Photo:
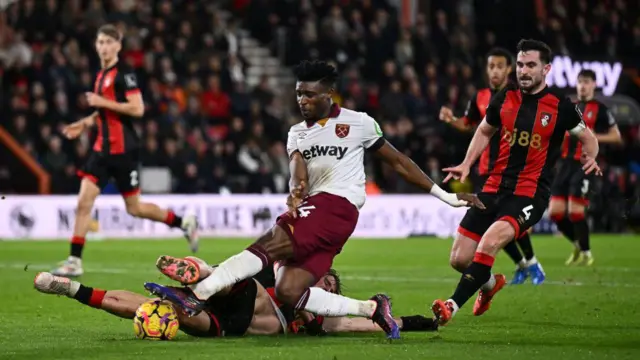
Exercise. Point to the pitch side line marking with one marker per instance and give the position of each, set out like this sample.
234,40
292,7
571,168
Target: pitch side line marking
392,279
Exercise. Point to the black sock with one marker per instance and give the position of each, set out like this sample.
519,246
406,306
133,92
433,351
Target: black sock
471,281
177,222
514,253
76,250
581,229
418,323
566,228
84,294
525,245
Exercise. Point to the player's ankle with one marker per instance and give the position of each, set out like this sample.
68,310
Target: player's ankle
522,264
532,261
453,306
368,307
586,253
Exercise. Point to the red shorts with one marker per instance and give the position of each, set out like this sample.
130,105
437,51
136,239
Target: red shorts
324,224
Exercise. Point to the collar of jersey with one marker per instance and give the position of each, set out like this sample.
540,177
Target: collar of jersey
334,112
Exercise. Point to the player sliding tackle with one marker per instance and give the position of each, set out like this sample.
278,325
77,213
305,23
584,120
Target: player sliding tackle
327,190
531,122
246,308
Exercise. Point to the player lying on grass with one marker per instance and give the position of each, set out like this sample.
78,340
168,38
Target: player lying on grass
247,308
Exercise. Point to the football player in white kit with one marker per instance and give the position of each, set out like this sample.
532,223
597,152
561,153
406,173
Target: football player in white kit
327,184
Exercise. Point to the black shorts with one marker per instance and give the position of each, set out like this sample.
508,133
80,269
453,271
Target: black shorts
520,211
571,183
231,314
478,183
122,168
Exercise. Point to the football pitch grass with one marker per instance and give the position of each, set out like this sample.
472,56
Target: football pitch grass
579,313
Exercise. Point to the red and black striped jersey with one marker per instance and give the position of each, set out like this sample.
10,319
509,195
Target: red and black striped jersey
597,117
116,134
473,115
531,129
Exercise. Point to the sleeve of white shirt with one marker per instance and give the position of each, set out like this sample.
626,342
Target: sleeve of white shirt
371,131
292,142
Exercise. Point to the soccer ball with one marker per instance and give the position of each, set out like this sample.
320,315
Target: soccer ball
155,320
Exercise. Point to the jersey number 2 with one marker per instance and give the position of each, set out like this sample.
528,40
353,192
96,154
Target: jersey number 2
134,178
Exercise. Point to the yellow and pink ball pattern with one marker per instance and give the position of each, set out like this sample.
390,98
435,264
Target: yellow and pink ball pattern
155,320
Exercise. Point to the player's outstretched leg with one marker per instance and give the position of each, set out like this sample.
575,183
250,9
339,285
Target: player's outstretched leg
577,216
478,275
89,191
188,223
533,267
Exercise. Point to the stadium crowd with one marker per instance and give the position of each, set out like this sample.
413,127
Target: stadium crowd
215,134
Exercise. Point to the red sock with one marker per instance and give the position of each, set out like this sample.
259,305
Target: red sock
90,296
172,219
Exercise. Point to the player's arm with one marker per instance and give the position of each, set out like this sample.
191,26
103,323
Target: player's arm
299,177
576,127
464,123
405,167
607,131
90,120
134,106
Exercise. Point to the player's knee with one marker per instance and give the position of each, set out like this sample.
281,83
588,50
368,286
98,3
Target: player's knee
134,209
576,209
557,208
288,293
498,235
276,243
458,262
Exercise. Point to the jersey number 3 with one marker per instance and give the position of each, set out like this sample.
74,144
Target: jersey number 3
134,178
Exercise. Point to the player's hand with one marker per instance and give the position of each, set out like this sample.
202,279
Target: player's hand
446,114
295,198
95,100
74,130
460,172
590,165
472,200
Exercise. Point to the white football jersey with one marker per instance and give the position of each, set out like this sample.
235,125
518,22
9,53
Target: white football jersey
334,153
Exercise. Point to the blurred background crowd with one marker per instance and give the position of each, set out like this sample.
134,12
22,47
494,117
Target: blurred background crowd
215,77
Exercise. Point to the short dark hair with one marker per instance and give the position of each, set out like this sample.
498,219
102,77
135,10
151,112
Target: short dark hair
336,277
316,70
587,73
111,31
501,52
536,45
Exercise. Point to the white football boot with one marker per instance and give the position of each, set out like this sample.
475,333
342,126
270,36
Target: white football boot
50,284
71,267
190,228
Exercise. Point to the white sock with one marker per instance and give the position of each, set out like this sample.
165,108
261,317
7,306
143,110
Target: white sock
453,305
229,272
532,261
321,302
587,253
522,264
488,286
74,286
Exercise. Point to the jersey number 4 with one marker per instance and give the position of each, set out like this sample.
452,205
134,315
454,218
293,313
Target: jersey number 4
527,212
305,210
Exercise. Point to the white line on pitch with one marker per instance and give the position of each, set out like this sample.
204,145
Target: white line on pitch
388,279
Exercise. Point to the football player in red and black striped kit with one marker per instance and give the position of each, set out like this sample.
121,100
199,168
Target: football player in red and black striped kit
118,102
530,121
571,187
499,65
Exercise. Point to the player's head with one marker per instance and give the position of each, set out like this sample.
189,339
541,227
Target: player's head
330,282
586,84
316,81
532,65
499,62
108,42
